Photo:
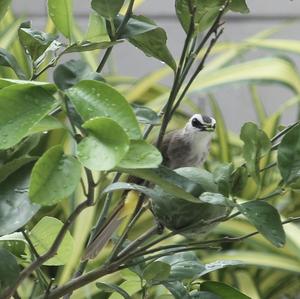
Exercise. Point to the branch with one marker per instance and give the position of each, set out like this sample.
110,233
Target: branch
117,35
50,253
180,76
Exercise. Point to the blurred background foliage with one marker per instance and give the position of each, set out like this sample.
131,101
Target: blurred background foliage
265,272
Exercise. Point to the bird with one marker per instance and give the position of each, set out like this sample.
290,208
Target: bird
189,146
185,147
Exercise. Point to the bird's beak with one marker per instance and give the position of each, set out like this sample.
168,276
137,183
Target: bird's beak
209,128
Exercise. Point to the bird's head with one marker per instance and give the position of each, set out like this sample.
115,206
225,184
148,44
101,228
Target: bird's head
201,123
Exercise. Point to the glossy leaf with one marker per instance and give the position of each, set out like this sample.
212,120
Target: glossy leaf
112,288
8,60
141,155
223,290
15,207
222,177
215,199
47,123
134,26
153,43
168,180
183,266
88,46
43,235
21,107
9,269
289,156
4,4
92,99
34,42
60,11
106,8
205,13
204,295
156,271
15,243
96,31
239,6
146,115
54,177
10,167
239,180
105,146
220,264
177,289
266,219
131,287
256,144
73,71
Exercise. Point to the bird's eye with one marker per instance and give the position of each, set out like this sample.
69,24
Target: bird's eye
196,123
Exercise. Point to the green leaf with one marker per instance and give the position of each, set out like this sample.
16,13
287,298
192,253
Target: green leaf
21,107
223,290
7,59
215,199
131,287
217,265
183,266
15,207
112,288
105,146
88,46
73,71
54,177
168,180
134,26
15,243
154,43
194,217
47,123
60,11
256,145
9,269
146,115
266,219
43,235
289,156
205,14
96,29
239,180
10,167
222,177
239,6
177,289
4,4
141,155
34,42
204,295
50,87
157,270
92,99
107,8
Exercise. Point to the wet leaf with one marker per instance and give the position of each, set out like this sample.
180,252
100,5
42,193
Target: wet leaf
54,177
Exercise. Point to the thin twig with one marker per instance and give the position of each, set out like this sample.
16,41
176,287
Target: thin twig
119,264
125,233
116,36
50,253
196,73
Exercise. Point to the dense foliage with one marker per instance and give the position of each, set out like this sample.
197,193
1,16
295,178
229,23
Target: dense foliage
68,144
